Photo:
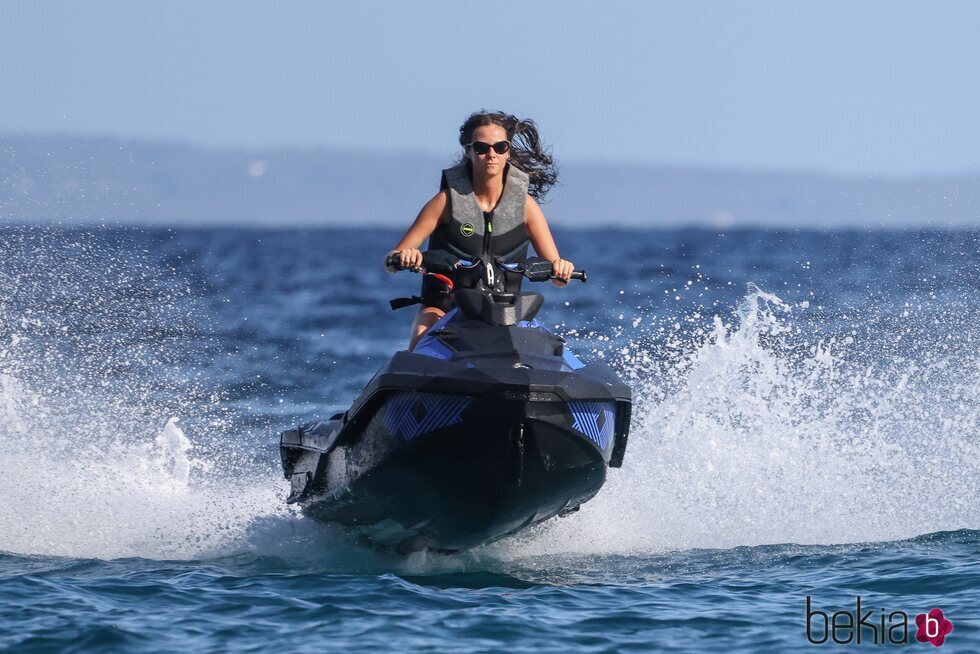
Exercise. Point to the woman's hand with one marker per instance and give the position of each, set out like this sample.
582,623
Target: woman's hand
561,269
408,258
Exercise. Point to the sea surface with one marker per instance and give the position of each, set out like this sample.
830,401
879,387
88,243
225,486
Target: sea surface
806,425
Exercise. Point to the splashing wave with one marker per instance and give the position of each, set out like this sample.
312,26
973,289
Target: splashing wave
756,434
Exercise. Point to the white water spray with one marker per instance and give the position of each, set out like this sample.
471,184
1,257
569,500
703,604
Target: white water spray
754,436
90,466
80,490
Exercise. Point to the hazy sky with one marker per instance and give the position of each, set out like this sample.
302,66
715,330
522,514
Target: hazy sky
855,87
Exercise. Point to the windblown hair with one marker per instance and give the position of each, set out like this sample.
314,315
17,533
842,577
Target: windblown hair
526,151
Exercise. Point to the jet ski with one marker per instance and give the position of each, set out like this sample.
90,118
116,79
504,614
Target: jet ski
490,425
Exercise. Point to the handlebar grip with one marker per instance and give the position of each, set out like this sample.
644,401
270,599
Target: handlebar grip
576,274
393,262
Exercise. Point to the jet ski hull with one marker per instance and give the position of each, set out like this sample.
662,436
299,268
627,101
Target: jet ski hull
460,487
481,432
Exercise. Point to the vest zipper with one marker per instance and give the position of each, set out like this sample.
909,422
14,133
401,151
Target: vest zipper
487,234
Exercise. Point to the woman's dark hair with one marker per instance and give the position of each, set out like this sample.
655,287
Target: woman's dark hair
526,151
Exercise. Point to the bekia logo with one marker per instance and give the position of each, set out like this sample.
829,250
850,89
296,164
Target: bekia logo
871,627
933,627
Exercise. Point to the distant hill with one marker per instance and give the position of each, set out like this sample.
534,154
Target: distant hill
91,180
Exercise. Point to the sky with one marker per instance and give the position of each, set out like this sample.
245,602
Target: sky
856,88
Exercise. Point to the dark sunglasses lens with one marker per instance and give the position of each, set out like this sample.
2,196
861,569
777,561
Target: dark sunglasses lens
480,147
501,147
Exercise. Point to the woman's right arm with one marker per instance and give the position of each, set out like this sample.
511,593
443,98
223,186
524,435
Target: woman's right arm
434,212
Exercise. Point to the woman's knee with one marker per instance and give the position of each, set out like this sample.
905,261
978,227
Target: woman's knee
431,315
424,319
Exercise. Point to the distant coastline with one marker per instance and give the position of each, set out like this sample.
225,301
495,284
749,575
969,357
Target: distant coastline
78,180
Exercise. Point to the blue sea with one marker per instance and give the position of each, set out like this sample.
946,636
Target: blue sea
806,435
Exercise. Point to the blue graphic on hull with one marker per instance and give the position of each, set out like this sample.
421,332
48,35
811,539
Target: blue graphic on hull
410,415
596,420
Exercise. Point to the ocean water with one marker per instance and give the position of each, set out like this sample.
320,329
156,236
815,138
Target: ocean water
806,425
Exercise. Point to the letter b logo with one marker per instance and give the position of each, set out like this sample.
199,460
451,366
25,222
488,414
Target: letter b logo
933,627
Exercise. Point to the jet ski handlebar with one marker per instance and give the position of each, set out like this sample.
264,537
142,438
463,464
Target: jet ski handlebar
538,269
440,262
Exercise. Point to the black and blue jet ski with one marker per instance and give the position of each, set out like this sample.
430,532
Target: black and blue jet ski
488,426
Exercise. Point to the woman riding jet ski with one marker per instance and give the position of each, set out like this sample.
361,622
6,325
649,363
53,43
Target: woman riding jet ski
486,206
487,424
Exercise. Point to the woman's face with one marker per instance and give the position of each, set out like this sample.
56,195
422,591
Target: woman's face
490,163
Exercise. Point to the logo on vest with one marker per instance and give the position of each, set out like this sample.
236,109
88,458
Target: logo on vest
467,229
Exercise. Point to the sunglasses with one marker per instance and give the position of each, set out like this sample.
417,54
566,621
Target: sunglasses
482,148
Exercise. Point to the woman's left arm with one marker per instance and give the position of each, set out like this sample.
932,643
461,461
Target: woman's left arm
544,243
